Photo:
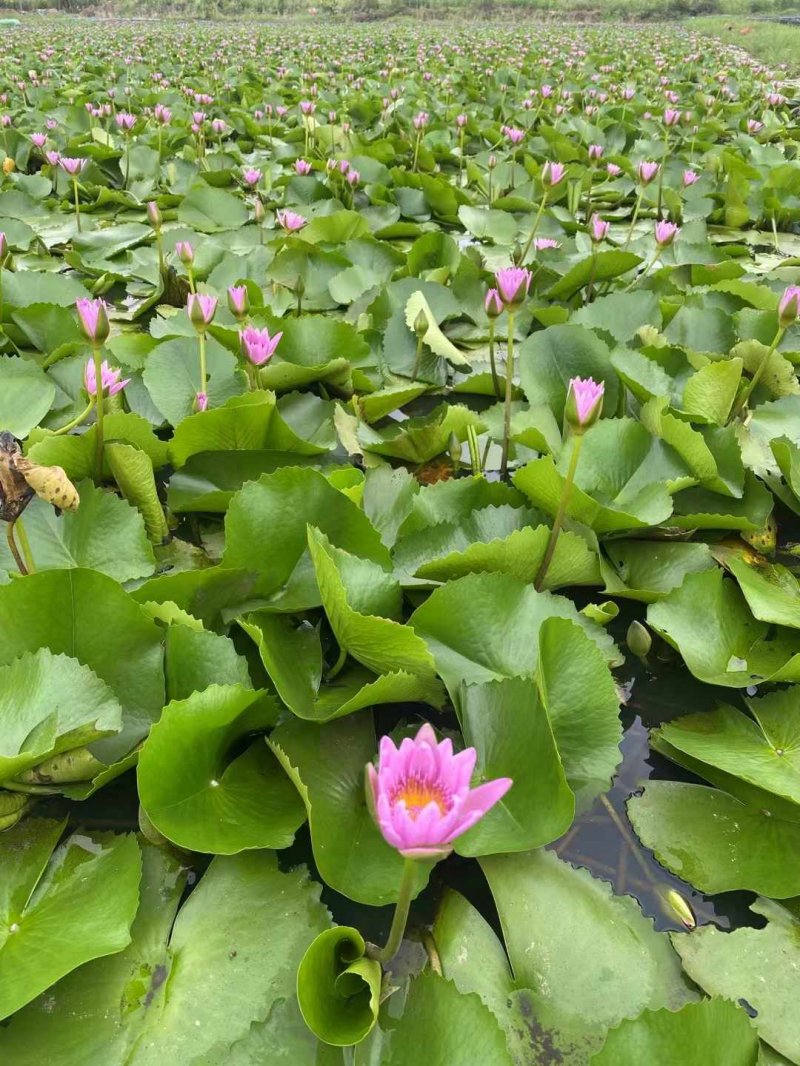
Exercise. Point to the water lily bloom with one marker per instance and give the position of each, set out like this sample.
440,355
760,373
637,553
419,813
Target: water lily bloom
493,303
258,346
238,300
513,284
666,232
552,174
754,126
598,228
201,309
184,252
689,178
39,140
251,176
613,170
671,117
302,166
421,794
53,158
290,220
584,403
647,171
542,244
461,121
514,135
163,115
421,120
125,120
72,166
201,401
93,315
308,107
110,382
788,308
595,151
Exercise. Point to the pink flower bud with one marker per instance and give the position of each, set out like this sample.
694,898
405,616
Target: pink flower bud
493,303
689,178
552,174
598,229
584,403
666,232
647,171
93,315
238,300
201,310
302,166
789,306
184,252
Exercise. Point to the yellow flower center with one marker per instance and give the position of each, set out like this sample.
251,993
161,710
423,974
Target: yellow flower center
417,794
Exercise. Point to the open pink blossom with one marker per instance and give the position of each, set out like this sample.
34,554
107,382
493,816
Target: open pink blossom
543,244
671,117
422,797
789,306
552,174
290,220
39,140
513,284
258,346
251,176
110,382
613,170
584,402
72,166
302,166
647,170
690,177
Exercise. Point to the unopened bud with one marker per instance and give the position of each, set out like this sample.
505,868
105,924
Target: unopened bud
638,639
154,216
421,325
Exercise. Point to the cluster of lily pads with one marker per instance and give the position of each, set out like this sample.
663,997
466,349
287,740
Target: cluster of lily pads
380,410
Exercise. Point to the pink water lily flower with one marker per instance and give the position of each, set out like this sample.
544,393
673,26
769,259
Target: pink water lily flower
251,176
421,794
789,306
125,120
184,252
552,174
647,170
39,140
493,303
258,346
598,228
201,401
666,232
93,315
613,170
689,178
584,402
595,151
671,117
110,382
542,244
72,166
290,220
302,166
238,300
201,309
513,284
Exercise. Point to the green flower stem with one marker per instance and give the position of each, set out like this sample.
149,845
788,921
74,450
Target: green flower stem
98,378
634,218
416,151
661,171
77,204
190,274
741,403
127,158
536,221
1,297
460,155
336,669
201,337
493,363
162,269
392,946
645,272
14,549
417,358
509,386
24,543
77,420
566,492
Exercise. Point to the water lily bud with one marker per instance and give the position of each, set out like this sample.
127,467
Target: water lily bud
201,310
238,301
584,403
638,639
93,320
789,307
676,906
259,212
421,325
493,303
185,252
300,286
154,216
